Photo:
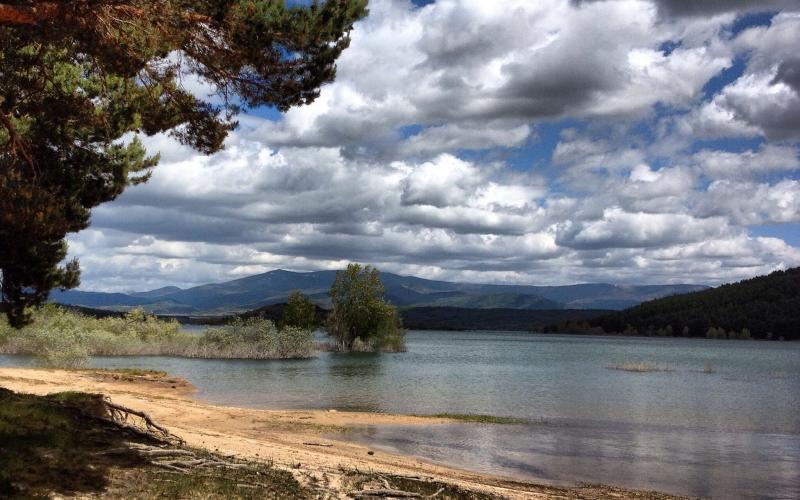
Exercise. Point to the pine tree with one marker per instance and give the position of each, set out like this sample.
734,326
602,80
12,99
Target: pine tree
76,77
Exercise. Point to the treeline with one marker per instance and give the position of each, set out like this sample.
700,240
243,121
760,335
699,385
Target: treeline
765,307
272,312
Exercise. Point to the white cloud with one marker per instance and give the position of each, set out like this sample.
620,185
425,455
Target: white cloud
620,229
430,155
750,203
729,165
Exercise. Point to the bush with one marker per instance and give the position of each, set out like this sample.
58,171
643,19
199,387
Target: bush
300,312
63,338
255,338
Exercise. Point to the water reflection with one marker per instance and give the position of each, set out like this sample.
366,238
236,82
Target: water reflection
362,366
680,461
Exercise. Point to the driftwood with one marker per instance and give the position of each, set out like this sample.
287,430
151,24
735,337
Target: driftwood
319,444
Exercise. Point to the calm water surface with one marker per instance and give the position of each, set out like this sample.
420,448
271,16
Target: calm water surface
733,433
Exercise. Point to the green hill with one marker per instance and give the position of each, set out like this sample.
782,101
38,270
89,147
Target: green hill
763,307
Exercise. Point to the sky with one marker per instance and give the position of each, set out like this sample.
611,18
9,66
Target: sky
538,142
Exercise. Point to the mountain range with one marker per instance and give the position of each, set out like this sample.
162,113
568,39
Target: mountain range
274,287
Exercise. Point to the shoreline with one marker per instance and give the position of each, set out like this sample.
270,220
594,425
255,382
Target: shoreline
312,444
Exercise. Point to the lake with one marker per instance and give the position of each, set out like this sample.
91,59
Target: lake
732,433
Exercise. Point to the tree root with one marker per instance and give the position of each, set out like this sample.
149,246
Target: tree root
186,461
122,416
437,492
161,452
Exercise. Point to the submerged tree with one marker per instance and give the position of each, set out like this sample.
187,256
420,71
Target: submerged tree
79,78
300,312
361,318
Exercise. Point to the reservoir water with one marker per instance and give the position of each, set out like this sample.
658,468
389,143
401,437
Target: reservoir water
730,433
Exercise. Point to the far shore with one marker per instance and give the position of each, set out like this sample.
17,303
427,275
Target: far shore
311,444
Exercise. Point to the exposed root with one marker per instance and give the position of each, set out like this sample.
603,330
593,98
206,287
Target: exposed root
185,461
437,492
122,416
170,467
160,452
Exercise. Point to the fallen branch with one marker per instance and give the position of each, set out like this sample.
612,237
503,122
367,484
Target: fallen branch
319,444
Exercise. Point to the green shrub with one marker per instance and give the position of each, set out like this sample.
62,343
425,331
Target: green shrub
63,338
300,312
255,338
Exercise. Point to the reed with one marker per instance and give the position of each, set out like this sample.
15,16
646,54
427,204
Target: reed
66,339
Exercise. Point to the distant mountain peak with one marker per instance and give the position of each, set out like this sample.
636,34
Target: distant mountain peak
273,287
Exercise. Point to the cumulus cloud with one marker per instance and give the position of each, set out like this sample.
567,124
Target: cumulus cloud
751,203
620,229
532,142
770,158
454,65
691,8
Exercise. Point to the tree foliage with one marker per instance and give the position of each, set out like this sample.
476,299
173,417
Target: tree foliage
79,78
360,316
299,312
766,307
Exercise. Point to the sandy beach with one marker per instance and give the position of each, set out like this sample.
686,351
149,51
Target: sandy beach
299,441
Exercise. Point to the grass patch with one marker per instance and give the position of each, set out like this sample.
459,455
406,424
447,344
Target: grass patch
259,482
480,419
640,367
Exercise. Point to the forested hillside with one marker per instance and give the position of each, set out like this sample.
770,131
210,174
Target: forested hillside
762,307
